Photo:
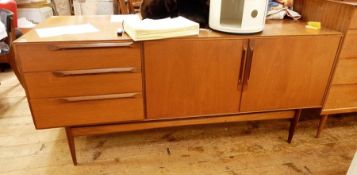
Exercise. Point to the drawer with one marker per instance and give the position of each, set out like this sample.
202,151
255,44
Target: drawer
353,24
346,72
349,49
341,98
86,110
83,82
72,56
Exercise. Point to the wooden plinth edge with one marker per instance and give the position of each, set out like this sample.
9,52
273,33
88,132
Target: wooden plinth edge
293,115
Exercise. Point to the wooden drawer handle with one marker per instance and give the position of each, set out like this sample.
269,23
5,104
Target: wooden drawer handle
100,97
95,71
88,46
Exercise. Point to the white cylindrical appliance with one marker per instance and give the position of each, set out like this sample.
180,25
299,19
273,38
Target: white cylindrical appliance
238,16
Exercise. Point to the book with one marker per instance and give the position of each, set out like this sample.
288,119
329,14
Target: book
149,29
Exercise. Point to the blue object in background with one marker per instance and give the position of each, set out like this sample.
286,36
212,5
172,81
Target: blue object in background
272,3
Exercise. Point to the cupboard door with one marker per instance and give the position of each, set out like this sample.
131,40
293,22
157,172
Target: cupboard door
288,72
186,78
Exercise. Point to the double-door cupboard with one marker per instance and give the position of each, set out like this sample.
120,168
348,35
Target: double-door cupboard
190,77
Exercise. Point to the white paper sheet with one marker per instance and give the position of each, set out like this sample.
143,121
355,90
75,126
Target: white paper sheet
121,18
25,23
3,33
65,30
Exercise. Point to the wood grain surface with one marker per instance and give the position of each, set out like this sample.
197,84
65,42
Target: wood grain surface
192,77
295,75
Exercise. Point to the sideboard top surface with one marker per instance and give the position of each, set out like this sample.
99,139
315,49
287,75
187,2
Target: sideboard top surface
108,30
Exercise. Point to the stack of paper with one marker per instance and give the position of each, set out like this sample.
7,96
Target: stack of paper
149,29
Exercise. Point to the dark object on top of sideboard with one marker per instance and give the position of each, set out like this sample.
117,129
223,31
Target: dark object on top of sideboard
196,10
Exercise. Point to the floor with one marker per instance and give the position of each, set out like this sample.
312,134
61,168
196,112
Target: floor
224,149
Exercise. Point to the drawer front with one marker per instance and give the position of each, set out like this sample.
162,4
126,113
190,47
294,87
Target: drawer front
353,24
82,83
349,49
86,110
57,56
341,98
346,72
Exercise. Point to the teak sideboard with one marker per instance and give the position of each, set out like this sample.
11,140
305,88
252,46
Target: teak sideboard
98,83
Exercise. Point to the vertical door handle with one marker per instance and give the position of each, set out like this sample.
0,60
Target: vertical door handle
248,66
242,63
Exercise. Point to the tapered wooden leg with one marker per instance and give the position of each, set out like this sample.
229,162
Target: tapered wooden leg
293,124
321,125
71,145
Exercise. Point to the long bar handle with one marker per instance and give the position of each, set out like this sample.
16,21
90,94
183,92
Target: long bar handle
248,67
88,46
95,71
100,97
242,63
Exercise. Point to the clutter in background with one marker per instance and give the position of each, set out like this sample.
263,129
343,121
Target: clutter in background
3,32
280,4
26,2
282,13
279,9
24,23
63,7
35,15
93,7
35,11
11,6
